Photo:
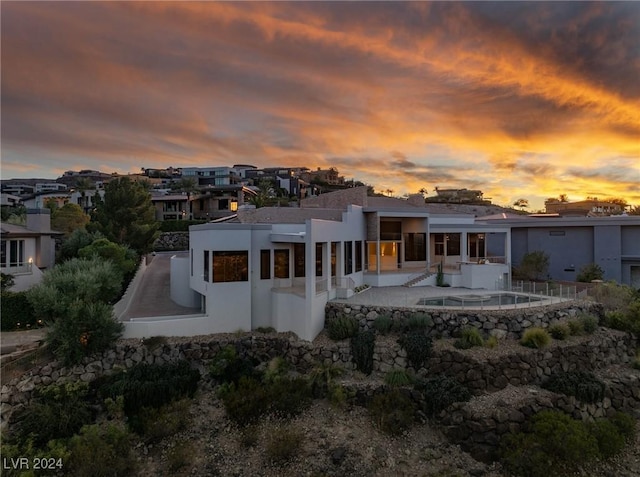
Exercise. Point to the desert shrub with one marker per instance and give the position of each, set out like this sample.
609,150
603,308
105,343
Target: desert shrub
440,392
180,455
17,312
227,367
626,319
339,395
154,342
277,368
362,347
56,412
613,295
56,455
625,424
249,436
398,377
392,411
343,327
589,323
101,450
149,386
589,272
419,322
265,329
284,444
575,327
382,324
610,440
249,399
418,348
555,444
535,338
559,331
86,329
491,342
6,281
321,379
469,337
581,384
246,401
157,423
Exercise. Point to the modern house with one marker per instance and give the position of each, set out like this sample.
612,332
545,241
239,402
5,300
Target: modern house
278,267
27,250
583,208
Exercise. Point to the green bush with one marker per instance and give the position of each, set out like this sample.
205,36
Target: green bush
469,337
418,348
533,266
555,444
625,424
362,347
249,399
148,386
535,338
86,329
343,327
398,377
321,379
101,450
227,367
382,324
559,331
17,312
392,411
575,327
581,384
440,392
154,342
78,239
124,258
610,441
284,445
626,319
180,456
418,322
157,423
589,323
613,295
56,412
491,342
589,272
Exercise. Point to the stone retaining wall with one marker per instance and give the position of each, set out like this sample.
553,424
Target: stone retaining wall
170,241
495,371
500,323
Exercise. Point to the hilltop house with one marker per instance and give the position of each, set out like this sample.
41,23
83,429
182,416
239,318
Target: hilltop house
278,267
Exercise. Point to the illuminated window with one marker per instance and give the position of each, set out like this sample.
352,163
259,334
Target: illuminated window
281,263
231,266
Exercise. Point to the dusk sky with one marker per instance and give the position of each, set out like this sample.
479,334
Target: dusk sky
521,100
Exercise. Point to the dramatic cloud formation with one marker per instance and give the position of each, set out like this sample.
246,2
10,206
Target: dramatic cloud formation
516,99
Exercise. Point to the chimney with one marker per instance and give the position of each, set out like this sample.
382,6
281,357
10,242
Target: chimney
39,220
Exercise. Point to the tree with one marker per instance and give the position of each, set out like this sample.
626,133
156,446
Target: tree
89,281
522,203
68,218
78,239
634,210
120,255
126,215
563,198
534,265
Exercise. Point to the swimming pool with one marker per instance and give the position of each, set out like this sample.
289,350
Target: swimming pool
479,301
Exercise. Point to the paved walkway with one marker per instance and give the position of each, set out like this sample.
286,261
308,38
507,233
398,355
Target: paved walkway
153,296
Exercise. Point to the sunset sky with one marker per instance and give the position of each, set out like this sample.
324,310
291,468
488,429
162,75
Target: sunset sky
520,100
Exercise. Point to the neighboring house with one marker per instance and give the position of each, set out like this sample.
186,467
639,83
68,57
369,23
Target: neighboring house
27,250
613,243
172,206
50,187
279,266
219,201
10,200
592,208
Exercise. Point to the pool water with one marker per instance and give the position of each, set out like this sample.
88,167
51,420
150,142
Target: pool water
496,299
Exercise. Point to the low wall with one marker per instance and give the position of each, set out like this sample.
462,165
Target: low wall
500,323
121,307
171,241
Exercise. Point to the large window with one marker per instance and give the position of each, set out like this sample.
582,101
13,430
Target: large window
415,247
298,260
231,266
206,265
390,230
358,256
348,258
438,242
16,253
281,263
265,264
334,257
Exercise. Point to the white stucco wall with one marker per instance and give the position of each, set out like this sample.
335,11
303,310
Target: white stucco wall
180,291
